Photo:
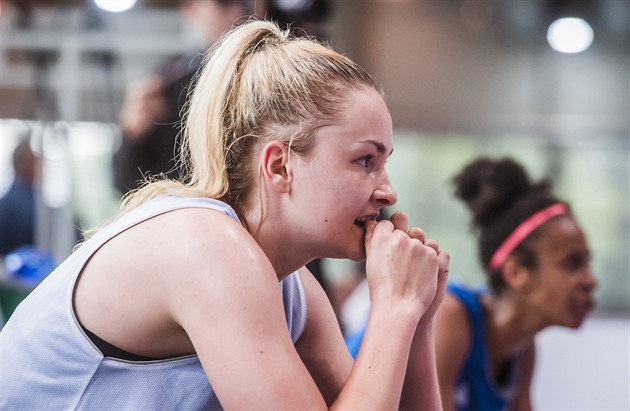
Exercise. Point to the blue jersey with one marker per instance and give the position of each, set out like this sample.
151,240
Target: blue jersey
353,341
477,388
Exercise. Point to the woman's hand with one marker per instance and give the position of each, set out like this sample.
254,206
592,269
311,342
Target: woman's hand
443,261
400,221
144,106
404,267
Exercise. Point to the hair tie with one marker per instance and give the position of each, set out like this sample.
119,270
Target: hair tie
522,231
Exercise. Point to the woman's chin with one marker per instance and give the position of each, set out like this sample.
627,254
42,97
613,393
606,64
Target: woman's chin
348,247
575,322
357,254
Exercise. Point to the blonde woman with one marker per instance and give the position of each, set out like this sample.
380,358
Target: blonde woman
196,296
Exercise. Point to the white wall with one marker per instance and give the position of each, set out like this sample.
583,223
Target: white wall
584,369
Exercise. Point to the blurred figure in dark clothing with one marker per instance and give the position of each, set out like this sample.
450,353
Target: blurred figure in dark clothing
151,112
150,115
17,207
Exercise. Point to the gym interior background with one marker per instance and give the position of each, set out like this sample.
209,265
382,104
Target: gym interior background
462,78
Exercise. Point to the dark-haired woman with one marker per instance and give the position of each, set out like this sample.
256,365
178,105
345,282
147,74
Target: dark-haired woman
537,262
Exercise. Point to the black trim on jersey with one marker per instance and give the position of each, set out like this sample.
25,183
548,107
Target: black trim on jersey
110,350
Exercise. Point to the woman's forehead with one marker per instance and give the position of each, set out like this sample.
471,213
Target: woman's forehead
563,233
362,118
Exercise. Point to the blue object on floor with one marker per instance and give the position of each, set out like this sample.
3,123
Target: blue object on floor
29,265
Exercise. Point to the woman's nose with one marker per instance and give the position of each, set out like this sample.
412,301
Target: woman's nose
591,281
385,194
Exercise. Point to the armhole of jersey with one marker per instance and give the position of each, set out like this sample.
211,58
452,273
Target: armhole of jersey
295,304
144,212
471,304
470,300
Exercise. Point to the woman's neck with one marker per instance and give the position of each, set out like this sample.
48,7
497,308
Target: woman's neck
509,329
278,242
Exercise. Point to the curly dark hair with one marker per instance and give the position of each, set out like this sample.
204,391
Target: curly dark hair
500,195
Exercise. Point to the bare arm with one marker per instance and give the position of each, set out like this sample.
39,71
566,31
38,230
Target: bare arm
321,346
452,340
390,358
224,294
218,296
375,380
233,296
323,350
421,389
228,301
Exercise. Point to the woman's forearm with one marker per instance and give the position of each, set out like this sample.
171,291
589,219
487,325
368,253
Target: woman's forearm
421,389
379,371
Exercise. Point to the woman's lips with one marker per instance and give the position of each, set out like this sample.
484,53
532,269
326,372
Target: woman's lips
587,307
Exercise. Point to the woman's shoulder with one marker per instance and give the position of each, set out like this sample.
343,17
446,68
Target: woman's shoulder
468,297
188,215
182,251
452,306
169,203
199,231
173,233
453,337
455,310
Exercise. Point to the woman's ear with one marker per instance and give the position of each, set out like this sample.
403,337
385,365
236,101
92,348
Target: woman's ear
515,274
275,166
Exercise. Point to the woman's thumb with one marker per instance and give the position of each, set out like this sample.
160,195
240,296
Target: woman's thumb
370,225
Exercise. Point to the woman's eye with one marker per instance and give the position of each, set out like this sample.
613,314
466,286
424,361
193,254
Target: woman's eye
364,161
576,262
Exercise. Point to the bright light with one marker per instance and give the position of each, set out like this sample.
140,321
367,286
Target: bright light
293,5
115,6
570,35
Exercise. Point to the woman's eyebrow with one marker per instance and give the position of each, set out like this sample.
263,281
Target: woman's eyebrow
380,147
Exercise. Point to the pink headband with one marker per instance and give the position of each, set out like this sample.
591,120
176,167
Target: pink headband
522,231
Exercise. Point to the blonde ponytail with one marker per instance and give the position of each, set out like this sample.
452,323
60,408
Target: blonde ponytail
258,83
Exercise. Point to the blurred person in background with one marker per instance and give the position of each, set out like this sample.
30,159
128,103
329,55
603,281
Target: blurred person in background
150,117
17,206
537,261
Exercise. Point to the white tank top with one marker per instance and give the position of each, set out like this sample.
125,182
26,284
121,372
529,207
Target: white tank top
48,362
